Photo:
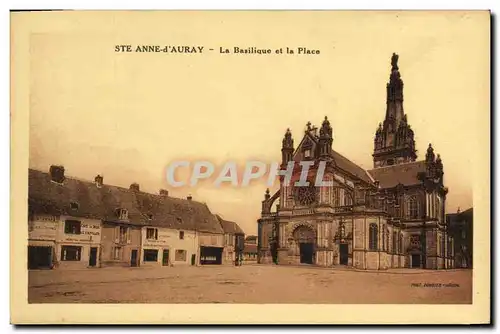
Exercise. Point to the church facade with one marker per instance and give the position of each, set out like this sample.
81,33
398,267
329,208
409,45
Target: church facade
391,216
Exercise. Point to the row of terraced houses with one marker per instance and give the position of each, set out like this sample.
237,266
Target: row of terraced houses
77,224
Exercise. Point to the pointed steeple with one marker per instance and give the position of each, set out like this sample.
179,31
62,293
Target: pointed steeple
395,85
394,140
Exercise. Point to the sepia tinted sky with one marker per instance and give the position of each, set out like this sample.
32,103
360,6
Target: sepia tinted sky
127,116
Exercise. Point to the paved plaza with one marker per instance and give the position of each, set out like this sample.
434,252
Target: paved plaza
249,284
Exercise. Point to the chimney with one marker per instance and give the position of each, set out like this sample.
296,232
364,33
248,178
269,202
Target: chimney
189,197
135,187
98,181
164,192
57,173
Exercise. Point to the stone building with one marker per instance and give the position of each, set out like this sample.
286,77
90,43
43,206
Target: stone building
234,239
76,224
250,253
387,217
64,221
170,236
121,225
461,228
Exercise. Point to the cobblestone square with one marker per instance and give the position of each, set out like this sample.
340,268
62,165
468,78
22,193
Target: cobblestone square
250,284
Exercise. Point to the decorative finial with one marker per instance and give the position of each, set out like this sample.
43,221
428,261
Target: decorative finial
287,139
394,61
267,195
429,156
308,126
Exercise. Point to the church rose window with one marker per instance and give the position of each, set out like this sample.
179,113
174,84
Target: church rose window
307,195
373,237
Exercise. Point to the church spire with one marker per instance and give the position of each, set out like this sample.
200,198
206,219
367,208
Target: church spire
394,140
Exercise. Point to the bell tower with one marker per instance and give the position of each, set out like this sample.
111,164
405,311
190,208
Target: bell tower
394,139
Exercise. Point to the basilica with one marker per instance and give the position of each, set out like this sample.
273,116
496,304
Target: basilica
391,216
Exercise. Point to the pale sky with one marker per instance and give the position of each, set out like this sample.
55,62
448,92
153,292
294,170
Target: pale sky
127,116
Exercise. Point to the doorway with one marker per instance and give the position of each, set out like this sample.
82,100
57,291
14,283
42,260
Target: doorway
93,257
210,255
133,258
344,254
306,253
164,260
305,238
39,257
193,259
415,261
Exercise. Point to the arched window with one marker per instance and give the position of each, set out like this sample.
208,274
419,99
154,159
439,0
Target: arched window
387,235
347,198
401,246
336,197
412,208
383,239
373,237
395,242
443,245
438,208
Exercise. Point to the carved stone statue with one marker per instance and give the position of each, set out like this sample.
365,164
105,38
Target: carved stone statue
394,61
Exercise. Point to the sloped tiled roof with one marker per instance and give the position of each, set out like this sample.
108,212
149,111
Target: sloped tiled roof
229,226
391,176
46,196
177,213
341,161
350,167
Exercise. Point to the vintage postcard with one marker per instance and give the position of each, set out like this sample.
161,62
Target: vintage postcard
218,166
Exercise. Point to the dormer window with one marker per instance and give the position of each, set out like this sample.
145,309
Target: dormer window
150,216
122,214
307,153
74,205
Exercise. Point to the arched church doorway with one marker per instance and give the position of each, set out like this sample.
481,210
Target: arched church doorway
305,238
416,261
